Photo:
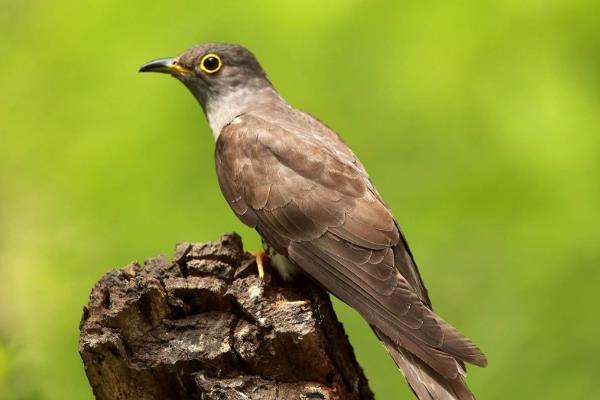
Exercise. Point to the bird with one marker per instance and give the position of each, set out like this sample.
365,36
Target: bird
295,181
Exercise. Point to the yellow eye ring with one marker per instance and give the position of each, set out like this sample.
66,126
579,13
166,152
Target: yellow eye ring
211,63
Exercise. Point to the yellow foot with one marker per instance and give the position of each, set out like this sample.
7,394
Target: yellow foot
260,255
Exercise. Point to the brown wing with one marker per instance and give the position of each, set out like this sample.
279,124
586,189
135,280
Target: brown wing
320,209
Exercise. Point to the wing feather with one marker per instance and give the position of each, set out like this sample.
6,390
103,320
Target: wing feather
317,205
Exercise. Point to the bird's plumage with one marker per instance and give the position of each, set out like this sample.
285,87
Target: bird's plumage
317,206
298,184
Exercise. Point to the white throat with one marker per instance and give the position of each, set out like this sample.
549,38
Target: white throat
221,110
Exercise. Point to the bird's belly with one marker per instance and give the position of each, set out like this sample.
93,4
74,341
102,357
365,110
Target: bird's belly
286,269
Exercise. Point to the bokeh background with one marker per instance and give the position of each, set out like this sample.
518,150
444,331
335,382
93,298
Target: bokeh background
478,121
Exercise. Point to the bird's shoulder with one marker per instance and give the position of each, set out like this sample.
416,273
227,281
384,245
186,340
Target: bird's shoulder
296,125
290,147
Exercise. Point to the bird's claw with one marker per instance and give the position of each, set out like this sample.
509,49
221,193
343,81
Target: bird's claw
260,256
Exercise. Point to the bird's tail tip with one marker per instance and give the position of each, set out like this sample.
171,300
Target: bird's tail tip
424,381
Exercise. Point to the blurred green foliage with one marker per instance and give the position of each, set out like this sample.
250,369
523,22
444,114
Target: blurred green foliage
478,121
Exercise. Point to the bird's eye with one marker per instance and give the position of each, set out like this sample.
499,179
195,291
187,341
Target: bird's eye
210,63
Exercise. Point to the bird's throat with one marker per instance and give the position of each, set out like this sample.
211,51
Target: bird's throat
223,108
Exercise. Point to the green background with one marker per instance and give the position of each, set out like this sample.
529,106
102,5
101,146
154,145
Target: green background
479,122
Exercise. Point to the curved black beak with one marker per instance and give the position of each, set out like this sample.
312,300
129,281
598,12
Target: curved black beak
164,65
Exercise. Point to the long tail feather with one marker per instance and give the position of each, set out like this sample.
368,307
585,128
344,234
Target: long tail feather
424,381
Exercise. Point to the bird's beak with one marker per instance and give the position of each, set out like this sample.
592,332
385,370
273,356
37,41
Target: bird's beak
164,65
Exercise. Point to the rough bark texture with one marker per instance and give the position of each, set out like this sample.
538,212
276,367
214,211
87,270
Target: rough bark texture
204,326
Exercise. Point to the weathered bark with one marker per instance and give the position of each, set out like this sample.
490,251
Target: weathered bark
205,326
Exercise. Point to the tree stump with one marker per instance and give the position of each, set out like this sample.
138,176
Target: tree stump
205,326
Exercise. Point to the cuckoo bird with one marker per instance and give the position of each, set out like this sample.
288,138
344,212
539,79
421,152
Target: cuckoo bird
294,180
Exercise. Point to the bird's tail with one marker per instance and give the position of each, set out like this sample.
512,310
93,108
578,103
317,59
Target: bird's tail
425,382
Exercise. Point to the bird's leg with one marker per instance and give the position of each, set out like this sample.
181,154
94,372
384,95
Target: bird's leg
260,256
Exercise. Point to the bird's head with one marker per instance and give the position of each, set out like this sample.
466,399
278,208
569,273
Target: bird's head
213,71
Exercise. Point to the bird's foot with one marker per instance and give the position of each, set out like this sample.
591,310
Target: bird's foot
260,256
